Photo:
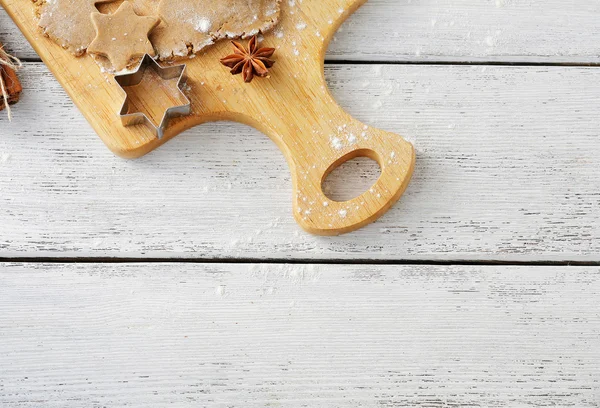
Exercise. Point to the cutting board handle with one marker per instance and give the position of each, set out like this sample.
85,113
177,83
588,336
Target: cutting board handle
328,140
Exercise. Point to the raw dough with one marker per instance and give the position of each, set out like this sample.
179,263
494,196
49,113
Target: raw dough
122,37
68,22
191,25
187,26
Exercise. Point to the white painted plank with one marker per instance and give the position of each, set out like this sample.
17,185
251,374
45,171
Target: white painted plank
507,170
454,30
157,335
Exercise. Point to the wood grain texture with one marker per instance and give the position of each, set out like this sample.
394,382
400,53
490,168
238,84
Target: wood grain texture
292,106
507,170
452,30
156,335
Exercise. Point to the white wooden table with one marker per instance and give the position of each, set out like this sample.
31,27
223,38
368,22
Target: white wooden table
174,280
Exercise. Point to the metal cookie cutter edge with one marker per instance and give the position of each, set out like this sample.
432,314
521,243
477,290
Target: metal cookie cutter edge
134,78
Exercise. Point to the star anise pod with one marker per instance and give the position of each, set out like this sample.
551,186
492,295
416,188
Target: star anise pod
249,62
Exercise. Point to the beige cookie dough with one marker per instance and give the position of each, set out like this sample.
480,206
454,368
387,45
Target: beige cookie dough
68,22
187,26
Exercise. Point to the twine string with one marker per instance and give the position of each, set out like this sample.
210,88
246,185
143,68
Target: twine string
7,60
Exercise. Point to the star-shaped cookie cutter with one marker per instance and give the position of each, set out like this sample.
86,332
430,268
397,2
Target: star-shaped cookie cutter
134,78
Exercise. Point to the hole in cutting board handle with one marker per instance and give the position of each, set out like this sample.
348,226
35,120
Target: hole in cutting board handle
351,176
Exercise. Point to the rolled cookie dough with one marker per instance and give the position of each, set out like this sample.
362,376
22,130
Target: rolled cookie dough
187,26
69,23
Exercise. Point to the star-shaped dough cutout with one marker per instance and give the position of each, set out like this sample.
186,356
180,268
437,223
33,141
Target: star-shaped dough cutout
122,37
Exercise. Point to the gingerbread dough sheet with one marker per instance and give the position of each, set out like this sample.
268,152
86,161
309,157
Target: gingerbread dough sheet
187,26
69,23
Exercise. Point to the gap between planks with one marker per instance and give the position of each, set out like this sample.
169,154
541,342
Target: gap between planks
466,62
300,261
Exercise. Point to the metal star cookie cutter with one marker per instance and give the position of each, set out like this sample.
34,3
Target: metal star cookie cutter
134,78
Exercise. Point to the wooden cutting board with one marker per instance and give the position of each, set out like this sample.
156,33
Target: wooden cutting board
293,107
